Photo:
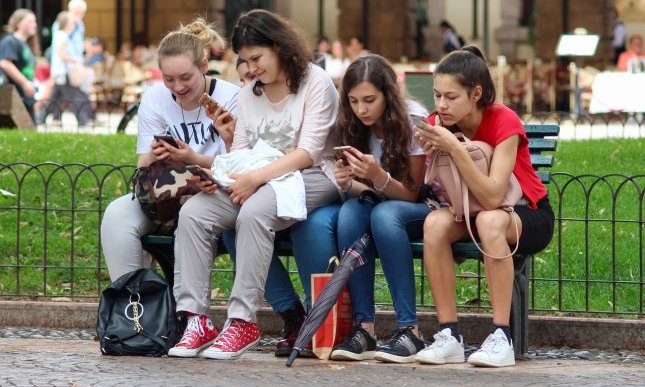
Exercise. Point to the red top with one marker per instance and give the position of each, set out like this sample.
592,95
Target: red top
499,123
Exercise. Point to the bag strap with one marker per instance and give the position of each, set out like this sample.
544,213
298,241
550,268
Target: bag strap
466,204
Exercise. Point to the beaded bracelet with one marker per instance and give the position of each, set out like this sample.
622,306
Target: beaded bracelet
351,182
387,182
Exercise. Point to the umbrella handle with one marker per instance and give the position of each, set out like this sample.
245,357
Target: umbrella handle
294,354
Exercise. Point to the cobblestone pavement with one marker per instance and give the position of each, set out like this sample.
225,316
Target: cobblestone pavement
32,357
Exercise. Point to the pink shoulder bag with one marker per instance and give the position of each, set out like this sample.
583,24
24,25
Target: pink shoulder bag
455,191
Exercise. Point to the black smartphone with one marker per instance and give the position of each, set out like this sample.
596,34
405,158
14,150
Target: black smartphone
198,171
169,139
340,153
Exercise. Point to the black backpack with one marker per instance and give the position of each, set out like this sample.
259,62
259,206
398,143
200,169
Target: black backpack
137,316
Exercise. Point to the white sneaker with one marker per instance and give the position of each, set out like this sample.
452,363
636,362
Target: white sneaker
496,351
445,349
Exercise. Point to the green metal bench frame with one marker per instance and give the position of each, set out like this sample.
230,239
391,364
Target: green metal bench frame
542,138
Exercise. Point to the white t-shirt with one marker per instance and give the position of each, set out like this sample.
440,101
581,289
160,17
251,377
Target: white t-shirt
160,114
376,144
58,66
303,120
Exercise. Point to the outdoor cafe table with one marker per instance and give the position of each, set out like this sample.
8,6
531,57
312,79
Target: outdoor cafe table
618,92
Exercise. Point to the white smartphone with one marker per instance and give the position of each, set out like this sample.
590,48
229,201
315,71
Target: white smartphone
418,119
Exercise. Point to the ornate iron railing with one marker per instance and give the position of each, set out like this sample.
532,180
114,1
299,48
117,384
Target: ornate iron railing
50,241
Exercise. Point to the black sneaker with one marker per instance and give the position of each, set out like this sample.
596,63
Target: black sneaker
358,345
401,348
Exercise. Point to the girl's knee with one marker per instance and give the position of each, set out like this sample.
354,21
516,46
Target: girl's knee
492,223
436,225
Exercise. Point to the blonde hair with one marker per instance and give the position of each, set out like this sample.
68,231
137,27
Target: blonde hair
12,26
82,4
194,39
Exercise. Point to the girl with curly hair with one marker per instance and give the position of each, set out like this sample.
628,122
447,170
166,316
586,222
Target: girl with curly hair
386,159
290,106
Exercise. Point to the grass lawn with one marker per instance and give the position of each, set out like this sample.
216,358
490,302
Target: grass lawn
600,261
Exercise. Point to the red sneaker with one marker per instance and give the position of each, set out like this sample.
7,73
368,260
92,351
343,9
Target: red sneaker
199,334
235,339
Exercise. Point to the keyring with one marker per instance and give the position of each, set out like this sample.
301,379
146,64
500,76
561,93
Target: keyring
139,305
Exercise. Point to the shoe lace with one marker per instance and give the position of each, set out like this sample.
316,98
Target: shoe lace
440,339
493,343
231,333
399,336
193,329
356,333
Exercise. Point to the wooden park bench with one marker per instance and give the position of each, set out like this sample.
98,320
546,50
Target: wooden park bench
542,138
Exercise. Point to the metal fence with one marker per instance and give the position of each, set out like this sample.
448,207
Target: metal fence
50,242
115,117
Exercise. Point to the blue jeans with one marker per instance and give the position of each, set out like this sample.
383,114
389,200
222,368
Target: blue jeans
313,242
392,223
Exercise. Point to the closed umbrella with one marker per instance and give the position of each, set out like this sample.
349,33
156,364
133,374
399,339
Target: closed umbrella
352,258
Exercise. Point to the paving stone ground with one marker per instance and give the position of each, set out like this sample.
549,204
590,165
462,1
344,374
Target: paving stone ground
78,362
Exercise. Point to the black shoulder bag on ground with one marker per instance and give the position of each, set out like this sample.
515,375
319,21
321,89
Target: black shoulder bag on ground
137,316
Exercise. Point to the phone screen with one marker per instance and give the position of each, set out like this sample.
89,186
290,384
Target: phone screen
418,119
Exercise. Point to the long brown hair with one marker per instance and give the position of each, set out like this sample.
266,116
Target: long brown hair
376,70
12,25
263,28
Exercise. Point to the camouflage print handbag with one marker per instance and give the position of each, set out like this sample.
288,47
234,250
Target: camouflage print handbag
162,188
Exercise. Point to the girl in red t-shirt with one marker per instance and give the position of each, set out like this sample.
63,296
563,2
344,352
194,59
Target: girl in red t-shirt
465,100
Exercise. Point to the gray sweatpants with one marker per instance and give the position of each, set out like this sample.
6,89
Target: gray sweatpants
203,217
122,227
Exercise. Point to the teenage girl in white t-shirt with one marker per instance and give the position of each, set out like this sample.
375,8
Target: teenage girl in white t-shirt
172,108
291,105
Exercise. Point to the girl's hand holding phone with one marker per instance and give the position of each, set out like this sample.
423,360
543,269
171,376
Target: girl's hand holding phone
202,178
344,175
223,120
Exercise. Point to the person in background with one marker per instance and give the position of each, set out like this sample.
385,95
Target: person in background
65,66
243,70
321,53
464,95
291,106
68,63
633,60
451,41
17,55
95,51
337,63
386,159
356,48
618,35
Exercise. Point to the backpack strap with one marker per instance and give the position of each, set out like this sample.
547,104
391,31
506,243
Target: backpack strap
466,208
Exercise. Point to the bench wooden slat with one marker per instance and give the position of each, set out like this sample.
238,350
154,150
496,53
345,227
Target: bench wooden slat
539,161
537,145
545,176
541,131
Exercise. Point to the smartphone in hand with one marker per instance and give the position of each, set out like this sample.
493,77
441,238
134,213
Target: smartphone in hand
340,153
418,119
169,139
198,171
211,105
